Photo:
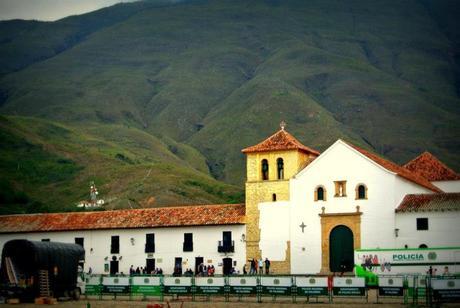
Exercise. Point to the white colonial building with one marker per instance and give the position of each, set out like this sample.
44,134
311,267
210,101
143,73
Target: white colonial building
306,212
169,238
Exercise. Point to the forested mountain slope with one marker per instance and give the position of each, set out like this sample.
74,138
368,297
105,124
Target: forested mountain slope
216,76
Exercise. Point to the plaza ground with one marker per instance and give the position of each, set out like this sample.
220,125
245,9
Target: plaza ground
248,302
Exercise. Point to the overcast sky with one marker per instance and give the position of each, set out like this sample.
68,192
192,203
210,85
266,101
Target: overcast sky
50,9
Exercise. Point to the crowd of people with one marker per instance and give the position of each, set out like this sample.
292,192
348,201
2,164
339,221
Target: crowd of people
143,270
257,267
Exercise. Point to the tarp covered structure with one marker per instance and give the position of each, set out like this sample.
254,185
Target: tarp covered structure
27,258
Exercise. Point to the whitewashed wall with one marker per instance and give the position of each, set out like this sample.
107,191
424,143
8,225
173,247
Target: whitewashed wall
274,224
168,246
340,162
448,186
443,229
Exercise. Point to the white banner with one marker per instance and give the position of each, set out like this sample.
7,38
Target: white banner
345,282
93,280
276,281
146,281
311,281
210,281
444,284
177,281
396,282
120,281
243,281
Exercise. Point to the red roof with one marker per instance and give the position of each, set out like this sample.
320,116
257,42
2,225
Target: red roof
431,168
198,215
402,172
280,141
430,202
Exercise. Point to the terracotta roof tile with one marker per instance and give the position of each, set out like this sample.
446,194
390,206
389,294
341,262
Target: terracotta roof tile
430,202
402,172
280,141
431,168
198,215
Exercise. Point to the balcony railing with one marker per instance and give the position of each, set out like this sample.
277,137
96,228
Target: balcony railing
226,246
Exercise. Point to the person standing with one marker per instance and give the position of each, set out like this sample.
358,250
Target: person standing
267,266
261,266
252,271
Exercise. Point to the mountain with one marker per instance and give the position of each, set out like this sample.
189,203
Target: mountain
200,80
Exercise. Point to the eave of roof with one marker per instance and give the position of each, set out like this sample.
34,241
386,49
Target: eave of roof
431,168
197,215
280,141
400,171
429,203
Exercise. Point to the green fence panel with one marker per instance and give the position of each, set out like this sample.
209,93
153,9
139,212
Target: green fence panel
210,285
177,285
93,285
116,285
391,286
146,286
312,286
446,289
276,285
243,285
347,286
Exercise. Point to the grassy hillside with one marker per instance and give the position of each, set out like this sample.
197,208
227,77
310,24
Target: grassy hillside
48,167
207,78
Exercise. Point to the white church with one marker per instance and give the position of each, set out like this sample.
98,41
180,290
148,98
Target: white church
307,212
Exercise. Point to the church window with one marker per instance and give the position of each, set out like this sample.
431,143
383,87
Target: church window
274,197
264,170
280,165
115,244
340,188
188,242
361,191
422,223
320,193
80,241
150,242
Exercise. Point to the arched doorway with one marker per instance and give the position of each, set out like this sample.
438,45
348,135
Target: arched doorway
341,249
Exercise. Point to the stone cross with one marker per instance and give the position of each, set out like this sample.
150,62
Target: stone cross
303,226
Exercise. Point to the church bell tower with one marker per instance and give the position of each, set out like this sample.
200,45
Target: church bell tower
269,166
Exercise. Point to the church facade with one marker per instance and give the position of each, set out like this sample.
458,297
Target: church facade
305,211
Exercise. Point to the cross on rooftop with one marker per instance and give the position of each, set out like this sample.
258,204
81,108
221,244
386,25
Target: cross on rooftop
283,125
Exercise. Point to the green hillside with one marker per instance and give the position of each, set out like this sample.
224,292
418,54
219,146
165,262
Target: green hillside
200,80
48,166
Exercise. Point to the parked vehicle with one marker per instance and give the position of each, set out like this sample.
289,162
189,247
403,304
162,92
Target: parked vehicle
31,269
